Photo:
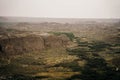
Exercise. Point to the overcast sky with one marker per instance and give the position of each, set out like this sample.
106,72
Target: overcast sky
61,8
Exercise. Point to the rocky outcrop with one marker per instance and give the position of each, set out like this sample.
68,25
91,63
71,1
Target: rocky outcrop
31,43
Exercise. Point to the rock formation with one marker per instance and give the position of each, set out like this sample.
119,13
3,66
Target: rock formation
31,43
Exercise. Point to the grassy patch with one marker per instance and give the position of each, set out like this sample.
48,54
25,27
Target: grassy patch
98,46
68,34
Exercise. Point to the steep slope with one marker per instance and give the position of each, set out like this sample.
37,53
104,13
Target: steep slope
30,43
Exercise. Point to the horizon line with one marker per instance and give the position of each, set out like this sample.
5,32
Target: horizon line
59,17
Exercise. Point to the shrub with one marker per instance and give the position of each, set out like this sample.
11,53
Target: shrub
69,34
99,46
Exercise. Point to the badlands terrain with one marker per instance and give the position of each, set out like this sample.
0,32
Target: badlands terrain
59,49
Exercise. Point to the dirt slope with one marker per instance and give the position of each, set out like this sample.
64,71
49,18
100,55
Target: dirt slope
30,43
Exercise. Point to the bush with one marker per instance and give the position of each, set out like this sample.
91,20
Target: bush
99,46
69,34
96,63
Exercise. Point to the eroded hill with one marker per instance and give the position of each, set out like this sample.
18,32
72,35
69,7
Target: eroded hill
26,42
60,51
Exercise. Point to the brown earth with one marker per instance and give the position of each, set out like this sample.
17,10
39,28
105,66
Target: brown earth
30,43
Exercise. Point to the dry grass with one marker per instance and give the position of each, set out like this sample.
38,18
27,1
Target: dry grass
57,74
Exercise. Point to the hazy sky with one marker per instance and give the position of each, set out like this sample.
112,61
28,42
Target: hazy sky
61,8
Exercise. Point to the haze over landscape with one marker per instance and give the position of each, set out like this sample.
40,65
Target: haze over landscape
61,8
59,40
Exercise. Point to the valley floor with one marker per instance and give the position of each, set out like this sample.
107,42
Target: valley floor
83,61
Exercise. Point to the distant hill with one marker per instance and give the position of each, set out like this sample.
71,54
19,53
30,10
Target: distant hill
58,20
95,29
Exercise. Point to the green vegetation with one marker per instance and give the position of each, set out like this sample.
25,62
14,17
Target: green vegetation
99,46
96,60
97,66
70,35
80,43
